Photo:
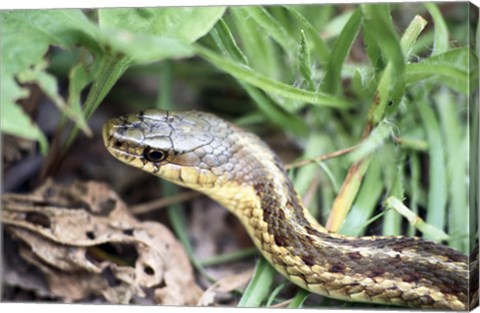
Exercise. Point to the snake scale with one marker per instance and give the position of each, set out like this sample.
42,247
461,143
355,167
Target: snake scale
234,167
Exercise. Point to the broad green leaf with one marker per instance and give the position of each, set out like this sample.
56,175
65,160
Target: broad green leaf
144,48
79,78
27,35
188,24
26,38
48,83
371,46
132,36
16,122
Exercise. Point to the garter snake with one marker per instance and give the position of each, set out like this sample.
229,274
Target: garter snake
234,167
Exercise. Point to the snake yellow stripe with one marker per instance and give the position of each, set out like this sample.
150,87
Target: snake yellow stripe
234,167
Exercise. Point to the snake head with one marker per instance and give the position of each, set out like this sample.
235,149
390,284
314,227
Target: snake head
187,148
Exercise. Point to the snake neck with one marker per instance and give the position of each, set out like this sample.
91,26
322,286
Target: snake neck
390,270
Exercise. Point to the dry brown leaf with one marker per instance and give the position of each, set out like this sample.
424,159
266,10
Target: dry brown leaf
85,241
224,285
13,274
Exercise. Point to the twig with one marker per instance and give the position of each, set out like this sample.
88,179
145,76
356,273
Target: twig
321,157
283,304
163,202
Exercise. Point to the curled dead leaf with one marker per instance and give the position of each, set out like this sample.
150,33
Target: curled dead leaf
85,241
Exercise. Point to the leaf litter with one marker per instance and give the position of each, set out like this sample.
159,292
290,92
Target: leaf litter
85,242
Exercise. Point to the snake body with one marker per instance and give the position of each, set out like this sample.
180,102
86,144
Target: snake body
234,167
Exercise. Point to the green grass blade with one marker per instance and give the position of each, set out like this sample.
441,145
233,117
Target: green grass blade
320,48
428,230
365,203
374,141
258,48
229,257
248,75
440,39
341,48
454,62
277,114
411,34
259,286
393,171
271,26
378,16
457,160
437,191
275,293
305,63
111,70
415,187
298,299
226,43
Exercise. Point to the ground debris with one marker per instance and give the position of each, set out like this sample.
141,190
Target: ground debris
85,242
225,285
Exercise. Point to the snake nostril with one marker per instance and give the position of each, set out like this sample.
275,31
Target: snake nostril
117,144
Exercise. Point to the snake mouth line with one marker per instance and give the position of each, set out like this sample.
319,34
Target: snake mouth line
119,152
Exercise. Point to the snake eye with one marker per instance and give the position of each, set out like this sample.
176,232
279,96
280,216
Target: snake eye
153,155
